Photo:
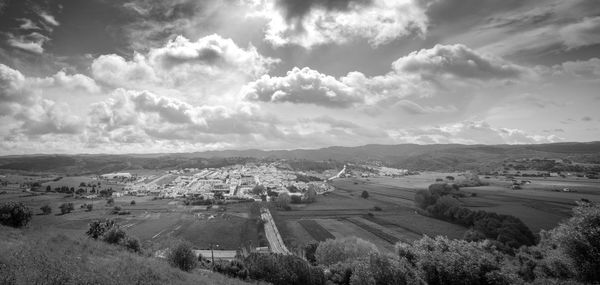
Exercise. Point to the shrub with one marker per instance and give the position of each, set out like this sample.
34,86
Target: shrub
234,268
66,208
132,244
99,227
296,199
579,239
89,207
332,251
116,210
109,201
132,202
377,208
114,235
182,256
15,214
444,261
283,200
364,194
46,209
283,269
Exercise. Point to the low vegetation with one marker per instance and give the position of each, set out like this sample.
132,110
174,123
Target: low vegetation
15,214
507,231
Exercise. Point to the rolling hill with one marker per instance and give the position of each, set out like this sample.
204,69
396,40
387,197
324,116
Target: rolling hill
439,157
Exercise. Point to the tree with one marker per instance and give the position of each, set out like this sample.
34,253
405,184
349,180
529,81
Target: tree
89,207
332,251
48,188
283,200
311,194
296,199
114,235
132,202
182,256
258,190
579,239
99,227
66,208
15,214
364,194
46,209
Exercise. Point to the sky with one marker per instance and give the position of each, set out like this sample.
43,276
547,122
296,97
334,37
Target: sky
151,76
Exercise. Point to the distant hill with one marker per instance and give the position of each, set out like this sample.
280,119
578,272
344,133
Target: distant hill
440,157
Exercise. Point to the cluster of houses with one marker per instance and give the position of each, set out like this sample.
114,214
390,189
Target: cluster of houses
230,181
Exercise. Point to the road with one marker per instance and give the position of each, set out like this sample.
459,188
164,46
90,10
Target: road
272,234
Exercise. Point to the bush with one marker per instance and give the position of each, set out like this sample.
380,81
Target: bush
234,268
364,194
182,256
333,251
579,239
132,202
296,199
444,261
109,201
99,227
283,269
15,214
46,209
283,200
114,235
377,208
89,207
116,210
66,208
132,244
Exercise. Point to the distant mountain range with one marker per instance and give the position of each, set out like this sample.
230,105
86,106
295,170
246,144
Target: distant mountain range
440,157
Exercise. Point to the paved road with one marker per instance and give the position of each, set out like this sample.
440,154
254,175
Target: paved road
272,234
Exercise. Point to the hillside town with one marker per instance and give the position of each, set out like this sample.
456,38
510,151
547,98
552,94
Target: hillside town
236,181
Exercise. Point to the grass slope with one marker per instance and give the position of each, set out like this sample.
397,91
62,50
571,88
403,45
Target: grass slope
28,257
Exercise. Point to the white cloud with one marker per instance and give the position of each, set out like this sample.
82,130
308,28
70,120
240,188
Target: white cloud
457,61
583,33
27,24
378,21
304,86
471,132
589,69
153,117
49,19
25,112
32,42
422,73
211,64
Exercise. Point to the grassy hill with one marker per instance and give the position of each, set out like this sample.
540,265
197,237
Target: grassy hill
440,157
43,257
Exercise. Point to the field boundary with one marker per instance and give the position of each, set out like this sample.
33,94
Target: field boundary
314,229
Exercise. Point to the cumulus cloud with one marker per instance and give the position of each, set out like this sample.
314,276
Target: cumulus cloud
457,61
583,33
150,116
318,22
418,74
211,60
304,86
25,112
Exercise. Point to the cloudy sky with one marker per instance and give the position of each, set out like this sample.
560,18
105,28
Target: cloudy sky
139,76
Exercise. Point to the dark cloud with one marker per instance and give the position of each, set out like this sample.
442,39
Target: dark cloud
294,9
586,119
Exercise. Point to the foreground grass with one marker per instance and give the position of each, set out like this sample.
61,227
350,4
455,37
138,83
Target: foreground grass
45,257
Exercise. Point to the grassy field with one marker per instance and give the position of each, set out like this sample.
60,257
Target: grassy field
149,220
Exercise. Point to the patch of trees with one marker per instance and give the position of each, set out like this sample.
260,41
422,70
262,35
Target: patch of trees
66,208
509,231
15,214
306,178
109,231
